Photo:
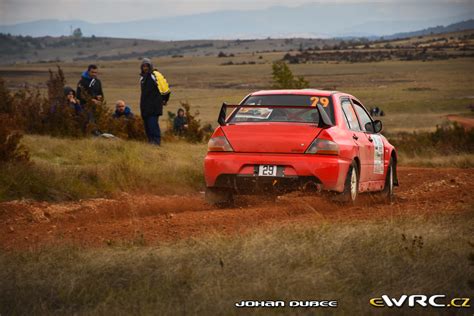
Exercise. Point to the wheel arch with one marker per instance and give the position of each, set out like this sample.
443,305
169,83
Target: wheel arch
394,156
357,160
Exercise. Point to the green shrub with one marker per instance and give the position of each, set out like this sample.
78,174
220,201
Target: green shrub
283,78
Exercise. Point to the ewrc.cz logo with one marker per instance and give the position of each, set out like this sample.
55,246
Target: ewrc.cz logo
420,300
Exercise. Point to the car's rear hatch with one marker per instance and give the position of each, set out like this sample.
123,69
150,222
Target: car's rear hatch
270,137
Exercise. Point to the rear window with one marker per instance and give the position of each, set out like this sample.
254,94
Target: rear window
253,113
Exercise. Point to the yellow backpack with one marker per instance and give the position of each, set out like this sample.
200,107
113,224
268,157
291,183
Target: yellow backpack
161,82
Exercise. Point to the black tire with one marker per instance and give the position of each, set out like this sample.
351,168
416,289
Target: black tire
219,197
387,191
351,185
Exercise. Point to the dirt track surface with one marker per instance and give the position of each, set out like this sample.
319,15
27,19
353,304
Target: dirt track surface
466,122
149,218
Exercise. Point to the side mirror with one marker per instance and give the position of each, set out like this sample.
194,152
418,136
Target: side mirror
222,114
377,126
369,127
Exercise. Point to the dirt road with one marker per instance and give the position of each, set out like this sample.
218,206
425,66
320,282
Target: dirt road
466,122
147,218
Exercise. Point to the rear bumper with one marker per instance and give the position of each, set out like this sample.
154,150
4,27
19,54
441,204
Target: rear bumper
237,170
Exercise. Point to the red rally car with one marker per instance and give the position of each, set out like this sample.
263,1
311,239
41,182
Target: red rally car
278,141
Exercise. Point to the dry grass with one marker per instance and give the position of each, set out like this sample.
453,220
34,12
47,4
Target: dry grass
206,84
80,168
437,161
348,261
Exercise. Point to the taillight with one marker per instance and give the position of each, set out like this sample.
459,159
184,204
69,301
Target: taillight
219,143
323,147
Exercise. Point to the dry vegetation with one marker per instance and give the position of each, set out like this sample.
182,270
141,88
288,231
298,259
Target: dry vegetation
348,261
414,95
65,169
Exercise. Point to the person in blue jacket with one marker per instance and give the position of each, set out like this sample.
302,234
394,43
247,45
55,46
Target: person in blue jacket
122,110
89,86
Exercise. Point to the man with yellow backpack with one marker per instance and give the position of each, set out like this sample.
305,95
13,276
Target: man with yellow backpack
155,93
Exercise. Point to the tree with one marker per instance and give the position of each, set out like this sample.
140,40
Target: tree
77,33
283,78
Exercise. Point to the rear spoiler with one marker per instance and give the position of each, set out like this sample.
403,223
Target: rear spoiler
324,119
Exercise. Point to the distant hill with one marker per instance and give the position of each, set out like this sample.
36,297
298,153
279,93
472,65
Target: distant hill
14,49
314,20
455,27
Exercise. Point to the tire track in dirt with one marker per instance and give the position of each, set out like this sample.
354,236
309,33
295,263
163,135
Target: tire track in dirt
142,219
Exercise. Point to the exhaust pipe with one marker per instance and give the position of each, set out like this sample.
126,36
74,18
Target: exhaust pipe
312,187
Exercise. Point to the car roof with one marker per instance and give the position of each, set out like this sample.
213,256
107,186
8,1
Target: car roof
317,92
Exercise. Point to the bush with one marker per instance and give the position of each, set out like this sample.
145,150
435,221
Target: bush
10,137
51,115
447,139
195,133
10,147
59,118
283,78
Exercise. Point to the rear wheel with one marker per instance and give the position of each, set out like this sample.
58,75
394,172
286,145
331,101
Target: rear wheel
351,185
387,191
219,197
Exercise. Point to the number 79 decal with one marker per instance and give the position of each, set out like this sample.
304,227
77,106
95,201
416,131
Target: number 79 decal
323,101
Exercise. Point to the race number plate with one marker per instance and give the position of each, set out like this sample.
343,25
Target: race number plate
267,170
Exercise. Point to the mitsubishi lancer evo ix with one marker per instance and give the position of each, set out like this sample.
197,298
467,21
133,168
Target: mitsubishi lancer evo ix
279,141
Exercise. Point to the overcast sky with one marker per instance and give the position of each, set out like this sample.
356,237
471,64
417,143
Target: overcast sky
14,11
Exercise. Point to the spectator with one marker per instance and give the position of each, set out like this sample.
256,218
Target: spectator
376,111
71,99
180,123
122,110
155,93
89,86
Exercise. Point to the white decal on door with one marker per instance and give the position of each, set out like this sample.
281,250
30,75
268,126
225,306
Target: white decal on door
378,154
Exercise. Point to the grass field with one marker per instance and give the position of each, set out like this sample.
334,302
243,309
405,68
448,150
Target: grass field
348,261
71,169
64,169
414,94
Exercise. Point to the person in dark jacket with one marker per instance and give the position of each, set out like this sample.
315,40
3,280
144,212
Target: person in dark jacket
71,99
180,123
89,86
122,110
154,94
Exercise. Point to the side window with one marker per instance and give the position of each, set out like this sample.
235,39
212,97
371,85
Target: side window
350,115
364,118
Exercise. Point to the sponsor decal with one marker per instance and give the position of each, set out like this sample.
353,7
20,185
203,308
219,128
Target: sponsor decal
378,154
419,300
254,113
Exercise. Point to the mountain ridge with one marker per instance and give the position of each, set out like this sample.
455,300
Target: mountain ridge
315,20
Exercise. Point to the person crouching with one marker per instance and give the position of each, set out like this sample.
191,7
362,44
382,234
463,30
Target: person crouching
122,110
180,123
